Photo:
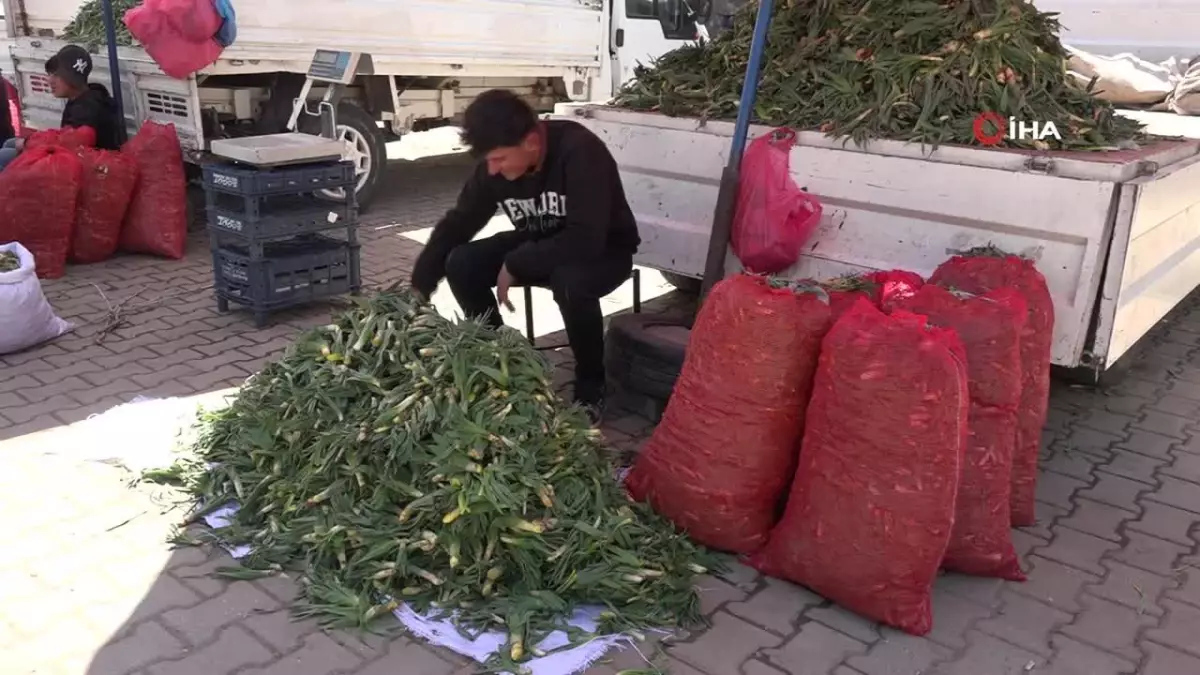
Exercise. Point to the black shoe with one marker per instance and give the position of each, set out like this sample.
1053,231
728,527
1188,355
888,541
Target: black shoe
591,399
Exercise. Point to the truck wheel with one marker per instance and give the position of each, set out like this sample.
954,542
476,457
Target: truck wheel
366,147
683,284
643,353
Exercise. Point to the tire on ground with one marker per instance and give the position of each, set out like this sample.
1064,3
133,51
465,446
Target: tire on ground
355,117
683,284
644,353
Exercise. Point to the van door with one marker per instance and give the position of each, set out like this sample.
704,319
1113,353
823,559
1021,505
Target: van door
643,30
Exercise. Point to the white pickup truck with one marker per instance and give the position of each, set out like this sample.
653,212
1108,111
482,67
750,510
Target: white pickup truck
430,58
1116,234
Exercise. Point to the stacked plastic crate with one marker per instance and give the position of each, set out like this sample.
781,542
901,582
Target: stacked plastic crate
276,242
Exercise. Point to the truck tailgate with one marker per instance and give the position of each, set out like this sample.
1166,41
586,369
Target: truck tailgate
891,205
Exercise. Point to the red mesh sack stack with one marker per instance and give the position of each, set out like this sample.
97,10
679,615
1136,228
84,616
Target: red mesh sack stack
877,287
156,222
107,183
720,460
38,192
987,269
990,328
71,138
872,504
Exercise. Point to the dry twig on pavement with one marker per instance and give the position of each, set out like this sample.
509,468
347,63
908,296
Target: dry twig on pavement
117,315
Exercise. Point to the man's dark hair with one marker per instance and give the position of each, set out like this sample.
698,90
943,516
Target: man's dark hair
497,118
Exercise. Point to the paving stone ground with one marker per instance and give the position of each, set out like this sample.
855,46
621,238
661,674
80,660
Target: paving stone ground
87,585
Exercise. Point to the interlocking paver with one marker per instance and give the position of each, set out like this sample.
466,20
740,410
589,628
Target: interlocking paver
1057,489
1024,622
953,617
816,650
233,649
1097,519
1115,491
776,607
148,643
1150,553
320,655
1150,443
1077,549
237,602
899,654
1166,661
1134,466
723,648
1072,657
714,593
1178,493
1166,522
1110,626
1165,423
1132,587
409,658
1180,629
986,654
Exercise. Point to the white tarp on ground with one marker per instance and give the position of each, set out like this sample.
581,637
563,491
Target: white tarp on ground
1125,79
144,433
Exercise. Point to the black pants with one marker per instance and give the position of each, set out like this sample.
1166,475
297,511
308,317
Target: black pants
471,270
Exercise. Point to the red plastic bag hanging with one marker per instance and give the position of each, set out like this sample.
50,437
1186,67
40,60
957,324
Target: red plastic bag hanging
774,217
195,20
869,516
990,328
726,448
986,269
106,188
38,192
178,55
71,138
156,222
14,106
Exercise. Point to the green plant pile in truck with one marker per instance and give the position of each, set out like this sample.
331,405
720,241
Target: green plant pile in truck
913,70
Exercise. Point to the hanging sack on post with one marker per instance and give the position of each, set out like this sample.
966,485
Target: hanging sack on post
725,451
26,319
870,511
990,327
774,217
106,188
178,34
986,269
156,222
38,193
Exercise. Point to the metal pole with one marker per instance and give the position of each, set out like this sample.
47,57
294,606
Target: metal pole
718,241
114,67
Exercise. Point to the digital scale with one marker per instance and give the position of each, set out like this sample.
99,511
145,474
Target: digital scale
334,68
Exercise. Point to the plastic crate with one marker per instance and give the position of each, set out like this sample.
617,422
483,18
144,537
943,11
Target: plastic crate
251,181
280,216
292,272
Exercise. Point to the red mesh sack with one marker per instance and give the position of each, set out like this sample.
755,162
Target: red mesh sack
990,328
722,456
774,217
878,287
156,222
71,138
870,511
14,106
194,20
107,182
177,55
984,270
38,191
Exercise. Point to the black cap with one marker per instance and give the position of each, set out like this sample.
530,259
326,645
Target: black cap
72,63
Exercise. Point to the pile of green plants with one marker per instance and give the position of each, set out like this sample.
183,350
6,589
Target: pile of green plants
396,456
912,70
87,28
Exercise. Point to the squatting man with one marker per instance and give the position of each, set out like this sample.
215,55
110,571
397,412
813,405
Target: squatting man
574,232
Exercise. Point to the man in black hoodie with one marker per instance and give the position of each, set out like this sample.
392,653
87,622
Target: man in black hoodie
574,232
88,105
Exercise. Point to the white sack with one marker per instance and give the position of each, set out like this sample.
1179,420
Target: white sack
26,319
1123,79
1185,100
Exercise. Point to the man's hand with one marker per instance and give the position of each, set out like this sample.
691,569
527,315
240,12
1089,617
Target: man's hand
503,283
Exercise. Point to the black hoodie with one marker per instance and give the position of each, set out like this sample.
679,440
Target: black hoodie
94,108
570,210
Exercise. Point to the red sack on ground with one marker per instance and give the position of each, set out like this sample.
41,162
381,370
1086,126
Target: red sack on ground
156,222
723,455
774,217
71,138
990,328
105,191
38,191
871,508
878,287
177,55
984,270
